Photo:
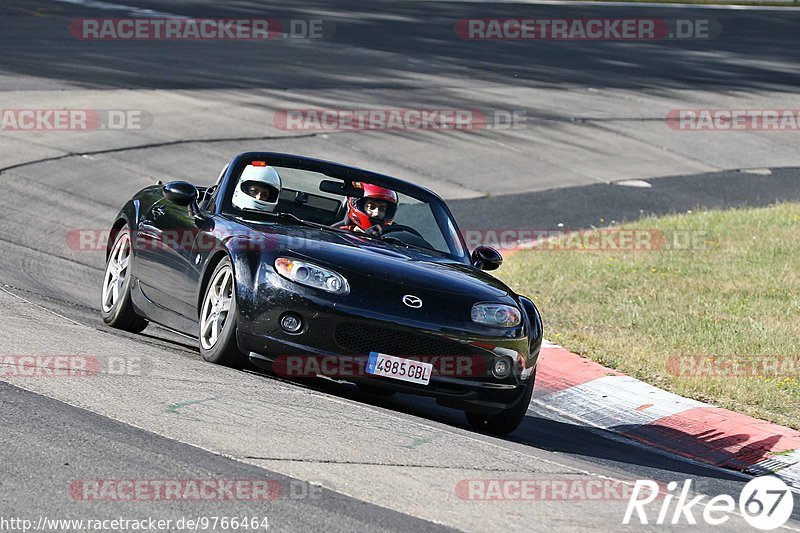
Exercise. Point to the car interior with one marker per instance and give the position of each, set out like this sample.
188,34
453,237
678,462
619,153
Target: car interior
311,207
329,207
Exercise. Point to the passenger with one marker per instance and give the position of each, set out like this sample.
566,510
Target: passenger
258,189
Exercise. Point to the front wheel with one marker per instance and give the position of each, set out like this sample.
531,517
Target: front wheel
115,302
505,421
218,318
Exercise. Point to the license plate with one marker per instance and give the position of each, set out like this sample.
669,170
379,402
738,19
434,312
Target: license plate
393,367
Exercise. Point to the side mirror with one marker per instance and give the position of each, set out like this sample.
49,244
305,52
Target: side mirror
180,192
486,258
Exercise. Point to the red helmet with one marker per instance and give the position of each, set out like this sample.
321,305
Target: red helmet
355,206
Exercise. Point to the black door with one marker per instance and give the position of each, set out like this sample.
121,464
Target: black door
164,243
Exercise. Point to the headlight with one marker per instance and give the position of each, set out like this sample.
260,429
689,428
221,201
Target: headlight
311,275
496,315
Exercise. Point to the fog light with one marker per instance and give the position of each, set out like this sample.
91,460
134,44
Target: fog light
502,367
291,323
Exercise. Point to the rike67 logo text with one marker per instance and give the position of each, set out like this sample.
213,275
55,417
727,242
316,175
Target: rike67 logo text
765,503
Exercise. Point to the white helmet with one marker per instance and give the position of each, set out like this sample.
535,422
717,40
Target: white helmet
259,188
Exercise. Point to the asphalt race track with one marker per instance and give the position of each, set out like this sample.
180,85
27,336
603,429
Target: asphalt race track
593,117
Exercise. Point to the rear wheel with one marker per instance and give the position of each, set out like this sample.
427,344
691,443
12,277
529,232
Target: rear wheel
505,421
116,307
218,318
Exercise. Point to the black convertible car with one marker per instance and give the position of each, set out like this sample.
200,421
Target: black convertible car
288,259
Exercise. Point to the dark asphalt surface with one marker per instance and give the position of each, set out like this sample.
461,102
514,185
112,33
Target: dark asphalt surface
75,446
598,205
396,40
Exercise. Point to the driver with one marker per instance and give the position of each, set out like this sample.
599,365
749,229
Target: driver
258,189
373,211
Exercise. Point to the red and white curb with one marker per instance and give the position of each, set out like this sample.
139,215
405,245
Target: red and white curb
597,396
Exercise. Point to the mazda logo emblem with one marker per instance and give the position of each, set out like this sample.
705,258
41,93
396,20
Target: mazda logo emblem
412,301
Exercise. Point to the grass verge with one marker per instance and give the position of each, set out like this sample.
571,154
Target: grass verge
717,320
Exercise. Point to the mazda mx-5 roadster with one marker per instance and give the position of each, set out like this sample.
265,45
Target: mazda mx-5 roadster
307,266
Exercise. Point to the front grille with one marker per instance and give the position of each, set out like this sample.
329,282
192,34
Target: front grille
361,339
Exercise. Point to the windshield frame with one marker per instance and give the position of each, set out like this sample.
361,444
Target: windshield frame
444,218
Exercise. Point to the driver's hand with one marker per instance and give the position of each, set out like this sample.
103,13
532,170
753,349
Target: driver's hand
376,230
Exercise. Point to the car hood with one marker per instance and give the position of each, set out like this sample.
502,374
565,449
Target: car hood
386,264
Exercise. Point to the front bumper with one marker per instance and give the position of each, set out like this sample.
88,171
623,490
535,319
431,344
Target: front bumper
463,360
487,397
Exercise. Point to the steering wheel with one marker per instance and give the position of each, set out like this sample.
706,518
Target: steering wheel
393,228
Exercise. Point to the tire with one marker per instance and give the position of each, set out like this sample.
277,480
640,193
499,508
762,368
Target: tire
116,307
506,421
217,324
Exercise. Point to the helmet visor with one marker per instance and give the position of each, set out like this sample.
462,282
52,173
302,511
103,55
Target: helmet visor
376,209
260,191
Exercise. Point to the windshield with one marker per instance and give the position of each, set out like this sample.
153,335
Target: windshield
399,218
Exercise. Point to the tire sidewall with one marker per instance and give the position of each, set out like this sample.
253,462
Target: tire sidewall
226,343
125,294
508,420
